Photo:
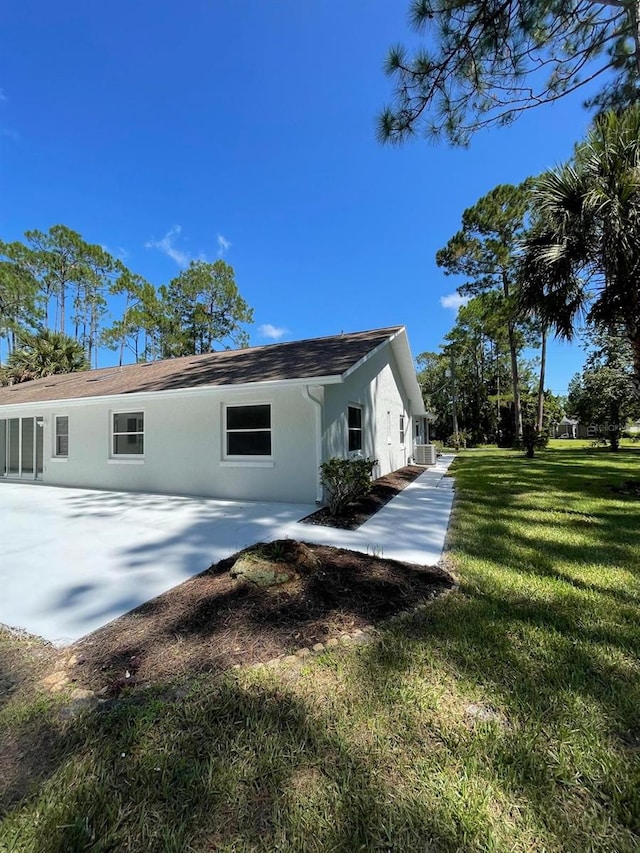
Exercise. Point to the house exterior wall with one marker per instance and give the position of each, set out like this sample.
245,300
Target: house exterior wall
184,435
376,387
184,445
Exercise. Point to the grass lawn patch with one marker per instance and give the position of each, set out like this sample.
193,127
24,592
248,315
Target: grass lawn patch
503,717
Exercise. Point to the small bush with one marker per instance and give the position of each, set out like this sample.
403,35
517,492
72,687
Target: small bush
533,440
460,442
346,481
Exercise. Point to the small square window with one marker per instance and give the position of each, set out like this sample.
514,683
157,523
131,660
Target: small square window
128,434
62,436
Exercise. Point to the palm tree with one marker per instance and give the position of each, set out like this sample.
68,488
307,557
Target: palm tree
45,354
583,252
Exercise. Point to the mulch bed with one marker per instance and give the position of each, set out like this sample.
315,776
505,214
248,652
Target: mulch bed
211,622
382,490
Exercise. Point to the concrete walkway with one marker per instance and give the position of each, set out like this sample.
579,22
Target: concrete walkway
412,527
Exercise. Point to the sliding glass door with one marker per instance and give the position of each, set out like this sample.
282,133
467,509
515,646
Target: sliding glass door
22,447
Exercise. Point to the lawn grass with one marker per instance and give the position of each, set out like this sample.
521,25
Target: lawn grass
505,717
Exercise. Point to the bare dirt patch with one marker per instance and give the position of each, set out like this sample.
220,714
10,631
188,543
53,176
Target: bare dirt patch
213,621
382,490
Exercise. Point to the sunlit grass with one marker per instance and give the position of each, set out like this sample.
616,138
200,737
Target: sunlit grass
505,717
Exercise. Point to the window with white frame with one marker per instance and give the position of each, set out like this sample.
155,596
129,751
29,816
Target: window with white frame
248,430
354,417
62,436
22,448
402,429
128,434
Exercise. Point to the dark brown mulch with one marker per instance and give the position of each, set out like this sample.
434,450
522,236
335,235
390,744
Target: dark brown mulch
211,622
382,490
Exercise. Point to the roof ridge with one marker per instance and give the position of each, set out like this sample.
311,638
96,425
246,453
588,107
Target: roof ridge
229,352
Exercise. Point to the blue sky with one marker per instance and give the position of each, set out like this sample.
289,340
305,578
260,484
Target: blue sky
244,129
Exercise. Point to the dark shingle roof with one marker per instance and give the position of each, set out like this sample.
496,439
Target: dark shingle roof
313,358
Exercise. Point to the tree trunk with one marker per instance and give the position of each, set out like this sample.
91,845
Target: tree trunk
62,306
515,379
543,366
636,366
93,335
633,11
497,384
454,403
632,328
517,403
124,333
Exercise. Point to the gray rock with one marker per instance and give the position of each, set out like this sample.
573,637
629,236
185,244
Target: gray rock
79,706
261,572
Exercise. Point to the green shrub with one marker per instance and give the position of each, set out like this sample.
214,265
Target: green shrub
533,440
461,442
346,480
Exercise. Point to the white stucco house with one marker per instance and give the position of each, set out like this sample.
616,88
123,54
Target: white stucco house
250,424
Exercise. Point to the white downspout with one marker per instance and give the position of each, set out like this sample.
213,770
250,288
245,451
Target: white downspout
306,393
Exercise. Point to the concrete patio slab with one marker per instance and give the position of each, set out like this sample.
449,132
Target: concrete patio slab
73,559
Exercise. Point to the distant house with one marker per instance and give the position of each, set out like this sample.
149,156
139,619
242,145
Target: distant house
572,428
250,424
566,428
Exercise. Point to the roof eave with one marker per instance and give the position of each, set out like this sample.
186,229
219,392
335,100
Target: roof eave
402,351
176,392
399,343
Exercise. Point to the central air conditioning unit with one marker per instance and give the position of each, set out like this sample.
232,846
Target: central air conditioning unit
425,454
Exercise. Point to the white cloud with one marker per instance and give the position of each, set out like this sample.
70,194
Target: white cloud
453,301
167,246
120,253
267,330
223,245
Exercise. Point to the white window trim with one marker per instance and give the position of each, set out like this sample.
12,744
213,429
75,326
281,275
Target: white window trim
353,405
402,427
21,475
127,458
243,461
59,457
